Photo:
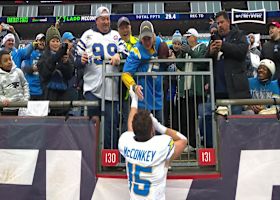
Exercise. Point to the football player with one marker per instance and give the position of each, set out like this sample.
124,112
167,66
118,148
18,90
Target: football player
148,155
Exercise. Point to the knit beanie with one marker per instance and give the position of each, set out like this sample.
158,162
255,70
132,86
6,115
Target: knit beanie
8,37
177,37
269,64
52,32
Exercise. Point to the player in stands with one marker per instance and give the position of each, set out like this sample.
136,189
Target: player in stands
148,155
96,45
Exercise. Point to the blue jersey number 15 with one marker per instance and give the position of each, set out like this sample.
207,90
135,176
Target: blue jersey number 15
98,52
135,180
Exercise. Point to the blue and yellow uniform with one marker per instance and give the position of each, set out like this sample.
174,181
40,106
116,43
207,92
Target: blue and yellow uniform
132,41
137,61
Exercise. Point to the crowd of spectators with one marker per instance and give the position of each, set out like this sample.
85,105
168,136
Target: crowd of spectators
57,68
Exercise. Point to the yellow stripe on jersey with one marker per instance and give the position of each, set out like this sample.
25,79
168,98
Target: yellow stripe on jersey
135,50
128,79
171,145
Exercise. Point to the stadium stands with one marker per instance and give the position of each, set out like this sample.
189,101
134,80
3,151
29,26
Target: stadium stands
162,14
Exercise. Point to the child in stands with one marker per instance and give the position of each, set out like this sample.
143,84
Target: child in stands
13,85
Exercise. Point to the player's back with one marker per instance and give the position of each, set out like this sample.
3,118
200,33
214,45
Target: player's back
146,165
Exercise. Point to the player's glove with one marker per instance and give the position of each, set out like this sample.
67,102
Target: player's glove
134,98
157,125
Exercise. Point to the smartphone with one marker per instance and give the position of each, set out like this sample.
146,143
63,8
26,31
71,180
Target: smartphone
64,46
215,36
5,26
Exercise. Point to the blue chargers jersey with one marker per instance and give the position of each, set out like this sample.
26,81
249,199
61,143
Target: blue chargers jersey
138,61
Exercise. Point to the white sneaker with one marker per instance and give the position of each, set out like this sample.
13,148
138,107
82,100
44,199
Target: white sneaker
189,148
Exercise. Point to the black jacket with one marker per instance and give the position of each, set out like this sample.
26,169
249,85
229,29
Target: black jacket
47,64
271,50
234,50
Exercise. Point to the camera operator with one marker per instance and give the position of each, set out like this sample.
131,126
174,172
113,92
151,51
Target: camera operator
271,49
228,49
55,68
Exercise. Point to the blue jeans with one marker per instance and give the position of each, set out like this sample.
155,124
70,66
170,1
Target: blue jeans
205,114
110,119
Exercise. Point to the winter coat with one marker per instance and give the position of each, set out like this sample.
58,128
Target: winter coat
54,74
234,50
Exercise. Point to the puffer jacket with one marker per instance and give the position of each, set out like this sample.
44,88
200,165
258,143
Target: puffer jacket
13,85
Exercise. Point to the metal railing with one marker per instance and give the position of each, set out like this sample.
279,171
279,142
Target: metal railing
230,102
187,160
56,104
244,102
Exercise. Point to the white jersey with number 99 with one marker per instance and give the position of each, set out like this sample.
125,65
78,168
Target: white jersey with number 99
100,47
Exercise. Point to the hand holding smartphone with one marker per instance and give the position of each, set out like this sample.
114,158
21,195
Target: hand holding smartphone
5,26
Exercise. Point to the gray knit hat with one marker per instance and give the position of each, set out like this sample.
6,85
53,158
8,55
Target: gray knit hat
177,37
52,32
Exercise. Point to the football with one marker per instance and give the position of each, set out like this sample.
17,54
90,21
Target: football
163,51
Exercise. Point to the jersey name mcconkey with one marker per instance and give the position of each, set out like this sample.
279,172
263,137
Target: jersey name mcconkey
138,154
146,165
